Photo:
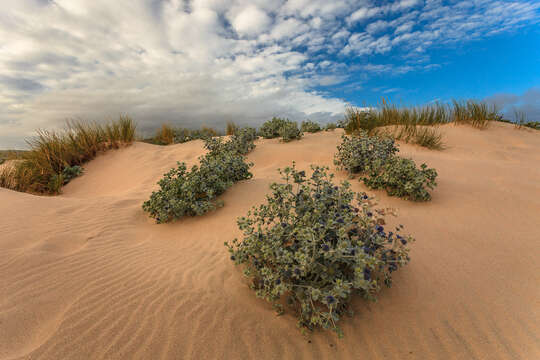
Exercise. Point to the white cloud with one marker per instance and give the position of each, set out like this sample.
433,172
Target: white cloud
251,21
208,61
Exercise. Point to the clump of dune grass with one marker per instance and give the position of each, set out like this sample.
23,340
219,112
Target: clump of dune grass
232,128
474,113
165,135
41,169
418,124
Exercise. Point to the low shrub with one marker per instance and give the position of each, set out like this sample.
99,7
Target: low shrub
330,127
310,126
290,132
284,128
195,192
182,135
272,128
313,245
356,153
204,133
241,143
58,180
71,172
400,177
375,158
2,161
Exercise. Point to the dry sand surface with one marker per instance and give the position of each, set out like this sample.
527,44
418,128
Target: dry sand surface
87,275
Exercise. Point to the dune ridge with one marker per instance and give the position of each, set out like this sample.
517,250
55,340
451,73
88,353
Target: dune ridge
87,275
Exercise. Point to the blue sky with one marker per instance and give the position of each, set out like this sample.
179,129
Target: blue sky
194,62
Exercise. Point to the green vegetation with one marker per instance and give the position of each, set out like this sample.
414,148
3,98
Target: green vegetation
190,193
400,177
11,155
310,126
232,128
521,121
314,245
375,158
272,128
290,131
284,128
41,169
330,127
417,125
165,135
168,135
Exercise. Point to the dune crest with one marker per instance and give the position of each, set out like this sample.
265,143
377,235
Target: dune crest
87,275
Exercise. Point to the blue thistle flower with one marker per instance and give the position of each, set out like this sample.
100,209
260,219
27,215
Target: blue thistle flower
379,228
284,224
278,281
369,214
233,258
297,271
330,299
325,247
365,197
340,220
367,274
403,241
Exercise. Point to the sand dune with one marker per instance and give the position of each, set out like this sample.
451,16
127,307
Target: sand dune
87,275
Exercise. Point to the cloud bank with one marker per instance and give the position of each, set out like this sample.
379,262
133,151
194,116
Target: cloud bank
198,62
528,103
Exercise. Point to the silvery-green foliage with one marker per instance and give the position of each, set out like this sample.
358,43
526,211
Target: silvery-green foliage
375,158
240,143
247,133
356,153
272,128
400,177
315,245
58,180
290,132
2,161
284,128
71,172
310,126
194,192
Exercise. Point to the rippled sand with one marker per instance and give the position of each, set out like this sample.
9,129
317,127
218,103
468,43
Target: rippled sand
87,275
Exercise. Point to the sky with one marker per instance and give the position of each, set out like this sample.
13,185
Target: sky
205,62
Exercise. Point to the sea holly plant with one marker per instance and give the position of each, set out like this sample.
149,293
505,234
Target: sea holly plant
310,126
376,160
284,128
240,143
272,128
313,245
400,177
357,153
290,132
195,192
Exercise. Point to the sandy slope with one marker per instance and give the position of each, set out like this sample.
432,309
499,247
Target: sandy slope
87,275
